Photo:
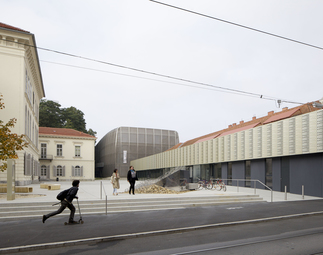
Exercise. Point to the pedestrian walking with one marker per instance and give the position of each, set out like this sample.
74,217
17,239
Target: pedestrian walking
115,182
66,201
132,177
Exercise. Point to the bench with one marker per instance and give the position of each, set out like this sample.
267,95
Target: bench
54,186
24,189
18,189
43,186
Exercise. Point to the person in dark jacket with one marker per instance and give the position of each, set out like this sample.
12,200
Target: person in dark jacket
132,177
67,202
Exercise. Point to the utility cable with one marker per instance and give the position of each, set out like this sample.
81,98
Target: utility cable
151,79
239,25
241,92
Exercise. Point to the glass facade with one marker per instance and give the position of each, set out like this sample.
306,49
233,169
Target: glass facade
124,144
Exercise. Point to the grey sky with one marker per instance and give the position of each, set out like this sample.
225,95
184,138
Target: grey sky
155,38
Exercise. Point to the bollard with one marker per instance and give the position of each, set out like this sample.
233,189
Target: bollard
302,191
106,204
285,192
101,190
237,185
272,196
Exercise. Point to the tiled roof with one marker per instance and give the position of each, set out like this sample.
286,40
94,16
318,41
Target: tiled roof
12,28
175,147
207,138
239,129
63,132
271,117
282,115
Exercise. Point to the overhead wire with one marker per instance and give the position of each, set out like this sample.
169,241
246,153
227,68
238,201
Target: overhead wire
239,25
151,79
241,92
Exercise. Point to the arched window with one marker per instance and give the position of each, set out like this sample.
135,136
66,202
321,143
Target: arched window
59,170
77,171
43,170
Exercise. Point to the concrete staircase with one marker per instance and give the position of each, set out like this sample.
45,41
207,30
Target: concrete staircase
12,211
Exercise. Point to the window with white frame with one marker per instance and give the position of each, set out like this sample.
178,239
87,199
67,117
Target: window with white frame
77,171
59,171
77,151
43,170
59,149
43,150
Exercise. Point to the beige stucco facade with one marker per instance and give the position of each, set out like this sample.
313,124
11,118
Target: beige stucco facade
22,88
66,157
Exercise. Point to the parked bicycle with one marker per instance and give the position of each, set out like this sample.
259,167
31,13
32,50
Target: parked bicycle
220,185
204,184
183,183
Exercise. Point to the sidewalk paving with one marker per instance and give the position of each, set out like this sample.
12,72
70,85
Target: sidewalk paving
91,190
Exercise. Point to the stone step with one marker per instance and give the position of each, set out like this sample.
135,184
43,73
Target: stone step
31,210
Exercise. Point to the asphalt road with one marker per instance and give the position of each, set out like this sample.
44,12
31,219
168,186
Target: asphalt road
226,224
294,236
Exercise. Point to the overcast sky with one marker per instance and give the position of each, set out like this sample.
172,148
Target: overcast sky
151,37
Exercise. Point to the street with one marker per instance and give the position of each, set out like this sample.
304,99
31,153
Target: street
301,235
249,228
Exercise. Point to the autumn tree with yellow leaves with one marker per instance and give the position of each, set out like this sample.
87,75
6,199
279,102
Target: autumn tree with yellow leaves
9,142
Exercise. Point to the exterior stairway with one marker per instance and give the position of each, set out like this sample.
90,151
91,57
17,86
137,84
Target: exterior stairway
12,211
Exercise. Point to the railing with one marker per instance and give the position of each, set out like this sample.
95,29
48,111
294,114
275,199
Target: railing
246,180
46,157
106,197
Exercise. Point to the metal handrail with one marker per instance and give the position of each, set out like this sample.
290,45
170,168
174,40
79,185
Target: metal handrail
244,180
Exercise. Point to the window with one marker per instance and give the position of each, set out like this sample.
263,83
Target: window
59,149
77,171
43,150
59,170
43,171
77,151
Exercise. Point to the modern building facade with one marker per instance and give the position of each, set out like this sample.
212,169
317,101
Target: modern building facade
22,88
280,149
124,144
66,154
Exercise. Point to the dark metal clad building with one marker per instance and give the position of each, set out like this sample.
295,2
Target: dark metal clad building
123,144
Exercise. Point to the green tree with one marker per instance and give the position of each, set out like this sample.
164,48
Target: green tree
74,119
91,132
9,142
50,114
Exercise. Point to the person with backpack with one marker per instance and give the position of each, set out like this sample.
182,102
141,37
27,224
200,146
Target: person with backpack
66,197
132,177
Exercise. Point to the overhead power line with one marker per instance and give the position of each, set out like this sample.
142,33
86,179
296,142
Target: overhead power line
241,92
239,25
150,79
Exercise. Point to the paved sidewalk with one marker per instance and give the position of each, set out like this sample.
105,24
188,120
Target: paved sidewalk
91,190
